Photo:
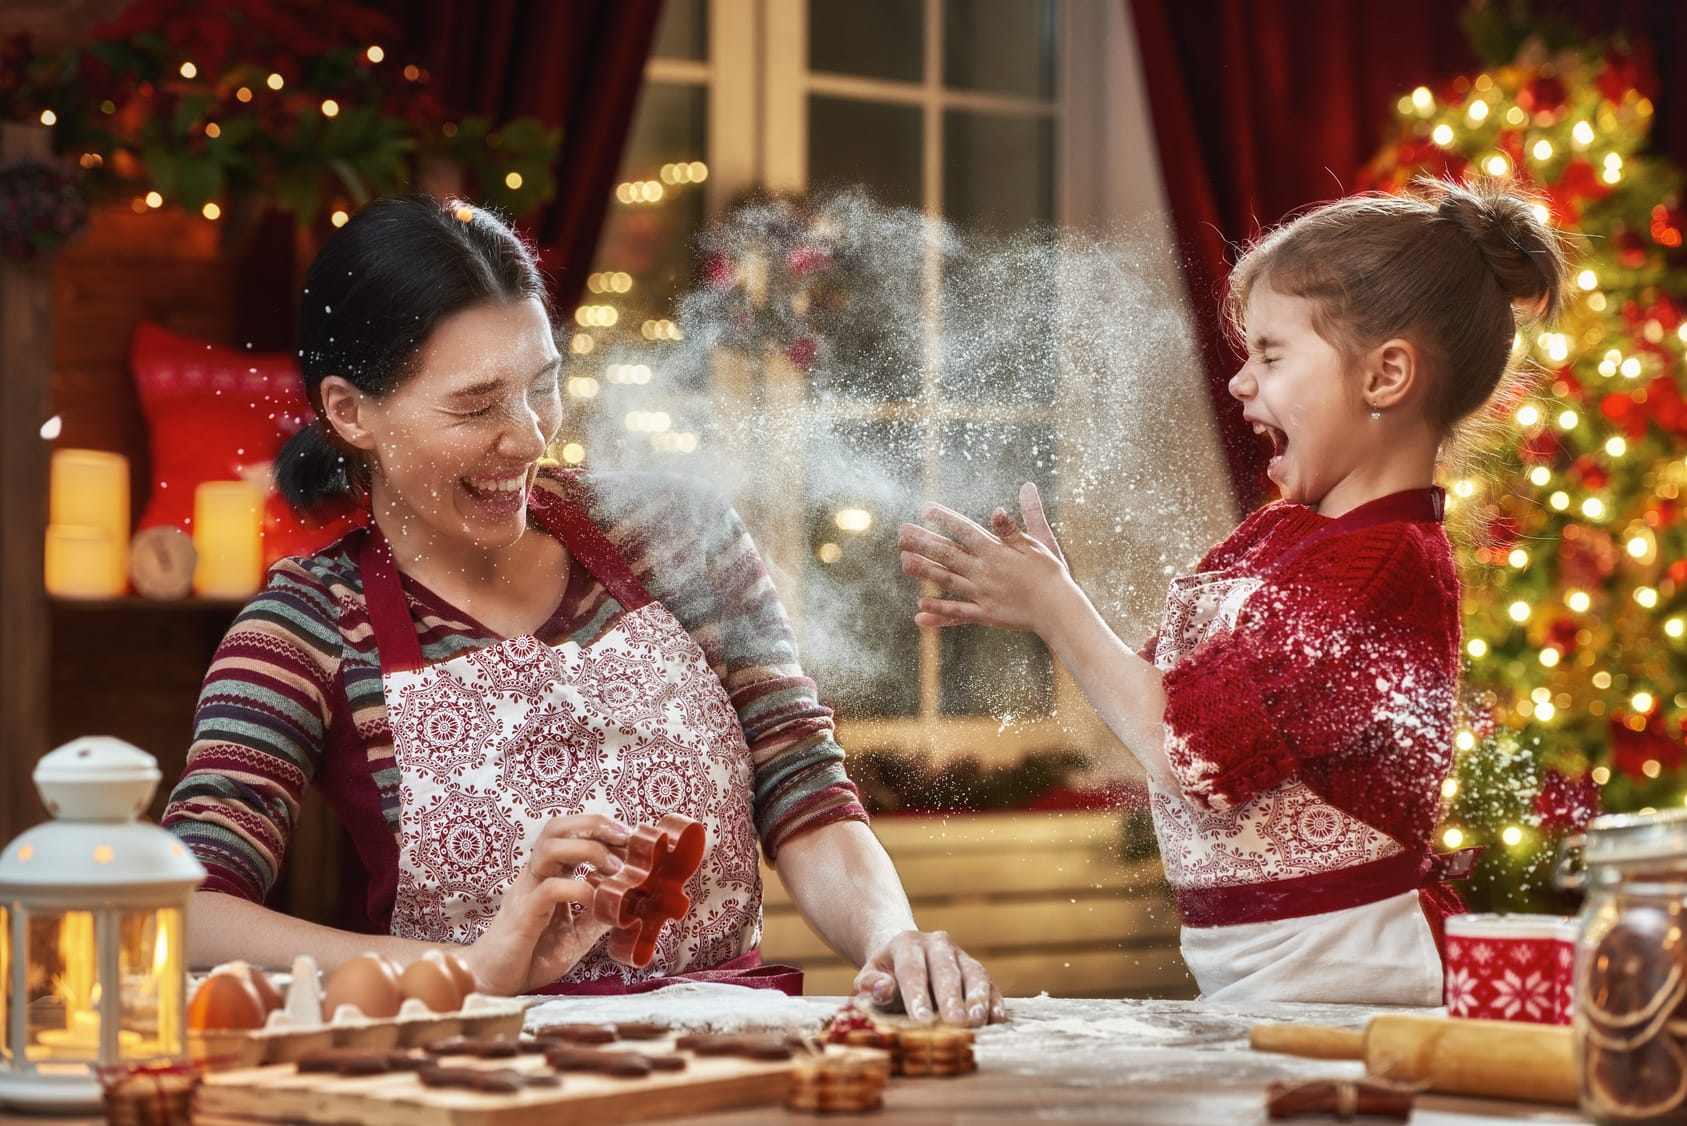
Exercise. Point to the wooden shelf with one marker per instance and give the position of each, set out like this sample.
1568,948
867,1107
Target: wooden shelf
136,602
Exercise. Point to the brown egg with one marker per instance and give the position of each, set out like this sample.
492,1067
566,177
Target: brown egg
225,1000
366,981
432,984
265,989
461,974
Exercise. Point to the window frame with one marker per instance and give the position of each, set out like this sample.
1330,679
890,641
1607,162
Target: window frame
758,87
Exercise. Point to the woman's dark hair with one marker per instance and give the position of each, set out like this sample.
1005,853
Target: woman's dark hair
379,286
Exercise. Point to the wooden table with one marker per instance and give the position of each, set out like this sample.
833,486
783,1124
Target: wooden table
1141,1062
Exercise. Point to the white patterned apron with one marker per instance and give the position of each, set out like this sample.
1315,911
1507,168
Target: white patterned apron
494,743
1286,897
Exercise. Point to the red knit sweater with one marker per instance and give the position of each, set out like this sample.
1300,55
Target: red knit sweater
1340,669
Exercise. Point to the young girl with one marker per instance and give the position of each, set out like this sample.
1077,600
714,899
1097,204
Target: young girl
1294,712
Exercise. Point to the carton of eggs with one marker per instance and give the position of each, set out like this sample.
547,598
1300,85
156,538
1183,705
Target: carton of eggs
237,1017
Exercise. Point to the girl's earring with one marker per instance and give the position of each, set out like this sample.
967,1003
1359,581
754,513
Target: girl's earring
1376,414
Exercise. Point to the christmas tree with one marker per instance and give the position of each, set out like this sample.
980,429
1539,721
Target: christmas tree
1575,553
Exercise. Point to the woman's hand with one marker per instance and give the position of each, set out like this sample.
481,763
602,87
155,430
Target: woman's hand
543,927
1002,577
932,976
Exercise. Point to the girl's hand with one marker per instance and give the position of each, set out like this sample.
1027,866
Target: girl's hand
994,578
543,927
933,977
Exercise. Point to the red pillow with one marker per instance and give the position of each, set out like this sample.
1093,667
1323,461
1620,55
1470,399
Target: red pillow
216,414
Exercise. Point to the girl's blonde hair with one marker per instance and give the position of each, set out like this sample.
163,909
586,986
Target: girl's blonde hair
1445,268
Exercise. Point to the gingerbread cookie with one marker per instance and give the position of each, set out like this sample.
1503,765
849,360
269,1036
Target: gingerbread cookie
936,1050
754,1046
622,1064
641,1029
485,1048
489,1081
576,1033
839,1084
357,1061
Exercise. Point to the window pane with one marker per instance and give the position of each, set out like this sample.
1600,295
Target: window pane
989,671
1004,46
683,30
868,143
998,171
999,323
644,258
871,38
859,639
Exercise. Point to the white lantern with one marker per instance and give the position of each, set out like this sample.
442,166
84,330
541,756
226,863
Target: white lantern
92,907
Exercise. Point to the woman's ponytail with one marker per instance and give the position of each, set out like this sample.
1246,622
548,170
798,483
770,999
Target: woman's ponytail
310,470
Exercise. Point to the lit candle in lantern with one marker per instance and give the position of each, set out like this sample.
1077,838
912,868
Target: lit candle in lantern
89,492
226,534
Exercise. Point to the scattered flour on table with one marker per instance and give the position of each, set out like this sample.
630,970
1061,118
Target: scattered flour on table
695,1006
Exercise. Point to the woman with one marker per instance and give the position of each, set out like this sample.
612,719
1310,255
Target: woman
511,665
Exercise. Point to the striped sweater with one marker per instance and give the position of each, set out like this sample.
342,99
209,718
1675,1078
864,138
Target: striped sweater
293,696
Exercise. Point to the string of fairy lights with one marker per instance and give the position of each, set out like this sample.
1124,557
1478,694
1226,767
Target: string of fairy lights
600,323
1581,648
189,136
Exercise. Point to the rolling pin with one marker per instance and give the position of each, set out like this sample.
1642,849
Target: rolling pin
1496,1059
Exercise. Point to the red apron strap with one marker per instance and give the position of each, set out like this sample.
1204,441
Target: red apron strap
389,610
565,518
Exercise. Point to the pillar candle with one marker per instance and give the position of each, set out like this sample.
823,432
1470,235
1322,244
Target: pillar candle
89,490
226,525
79,563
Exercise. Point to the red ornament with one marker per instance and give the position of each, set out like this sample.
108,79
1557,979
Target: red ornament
806,260
1631,750
1620,74
803,352
1590,471
1541,446
1561,635
1503,534
1564,804
1543,94
1631,250
718,272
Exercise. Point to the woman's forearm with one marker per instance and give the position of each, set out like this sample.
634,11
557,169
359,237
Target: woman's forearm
226,928
844,885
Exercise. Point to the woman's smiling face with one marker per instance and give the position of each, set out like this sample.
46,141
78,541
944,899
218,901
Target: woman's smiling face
454,450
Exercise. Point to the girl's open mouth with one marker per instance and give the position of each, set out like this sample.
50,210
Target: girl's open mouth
1279,446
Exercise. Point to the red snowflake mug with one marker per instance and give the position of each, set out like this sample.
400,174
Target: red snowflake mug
1510,967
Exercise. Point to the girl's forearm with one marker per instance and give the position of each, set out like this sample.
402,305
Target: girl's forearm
1127,692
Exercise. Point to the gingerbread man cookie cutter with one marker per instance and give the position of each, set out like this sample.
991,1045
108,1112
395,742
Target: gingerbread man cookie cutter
649,889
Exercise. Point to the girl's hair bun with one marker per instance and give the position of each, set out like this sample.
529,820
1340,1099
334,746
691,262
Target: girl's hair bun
1526,256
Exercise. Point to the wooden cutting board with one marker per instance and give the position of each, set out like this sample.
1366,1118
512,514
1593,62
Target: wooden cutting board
280,1093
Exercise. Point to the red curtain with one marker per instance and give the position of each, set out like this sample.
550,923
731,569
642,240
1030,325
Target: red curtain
573,64
1261,107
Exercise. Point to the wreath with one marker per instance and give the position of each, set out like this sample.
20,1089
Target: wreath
42,207
778,275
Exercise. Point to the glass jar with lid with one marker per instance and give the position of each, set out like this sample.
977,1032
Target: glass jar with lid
1629,1000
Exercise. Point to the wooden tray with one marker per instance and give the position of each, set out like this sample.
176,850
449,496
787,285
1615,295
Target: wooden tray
281,1094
